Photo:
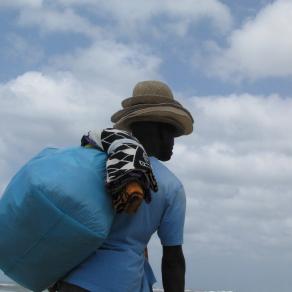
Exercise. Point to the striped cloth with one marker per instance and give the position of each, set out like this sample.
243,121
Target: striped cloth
127,162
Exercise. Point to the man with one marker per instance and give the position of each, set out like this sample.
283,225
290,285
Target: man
155,119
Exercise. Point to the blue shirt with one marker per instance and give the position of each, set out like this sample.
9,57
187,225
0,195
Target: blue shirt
119,265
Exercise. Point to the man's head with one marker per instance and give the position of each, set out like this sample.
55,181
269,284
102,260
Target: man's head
157,138
153,112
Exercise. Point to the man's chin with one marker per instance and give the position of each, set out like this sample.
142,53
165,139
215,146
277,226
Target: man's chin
165,157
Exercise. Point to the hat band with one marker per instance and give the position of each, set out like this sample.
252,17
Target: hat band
147,99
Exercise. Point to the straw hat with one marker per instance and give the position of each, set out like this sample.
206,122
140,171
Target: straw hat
153,101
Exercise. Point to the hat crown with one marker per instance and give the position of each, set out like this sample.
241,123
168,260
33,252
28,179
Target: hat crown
153,101
152,88
149,92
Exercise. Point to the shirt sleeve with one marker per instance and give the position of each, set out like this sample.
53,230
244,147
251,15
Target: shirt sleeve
171,226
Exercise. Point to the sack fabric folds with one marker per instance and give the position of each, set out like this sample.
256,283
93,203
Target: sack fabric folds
53,214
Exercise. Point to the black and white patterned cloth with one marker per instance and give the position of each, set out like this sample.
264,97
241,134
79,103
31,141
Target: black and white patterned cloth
127,162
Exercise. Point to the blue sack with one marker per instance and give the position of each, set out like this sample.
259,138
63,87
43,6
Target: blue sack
54,213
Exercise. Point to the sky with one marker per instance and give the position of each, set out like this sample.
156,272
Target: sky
66,65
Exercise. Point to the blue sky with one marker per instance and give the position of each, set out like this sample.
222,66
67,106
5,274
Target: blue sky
67,64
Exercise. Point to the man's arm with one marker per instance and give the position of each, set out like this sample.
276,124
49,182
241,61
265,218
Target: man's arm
173,269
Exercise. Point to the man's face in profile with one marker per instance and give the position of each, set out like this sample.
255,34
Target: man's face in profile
166,134
156,137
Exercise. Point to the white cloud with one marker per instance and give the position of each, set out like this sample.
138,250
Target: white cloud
124,17
47,19
80,92
20,3
111,65
36,110
237,169
186,12
16,48
237,120
261,48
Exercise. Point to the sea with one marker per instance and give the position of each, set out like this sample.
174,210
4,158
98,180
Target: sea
5,287
8,287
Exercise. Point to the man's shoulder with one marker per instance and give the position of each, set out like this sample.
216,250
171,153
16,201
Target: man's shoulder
164,175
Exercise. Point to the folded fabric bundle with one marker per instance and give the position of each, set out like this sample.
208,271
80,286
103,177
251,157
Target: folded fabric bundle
127,167
54,213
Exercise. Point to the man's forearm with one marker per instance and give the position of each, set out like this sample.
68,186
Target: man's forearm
173,269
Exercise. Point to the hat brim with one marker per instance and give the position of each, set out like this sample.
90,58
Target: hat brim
169,114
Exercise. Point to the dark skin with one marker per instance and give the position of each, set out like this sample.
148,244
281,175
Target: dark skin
158,140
